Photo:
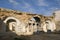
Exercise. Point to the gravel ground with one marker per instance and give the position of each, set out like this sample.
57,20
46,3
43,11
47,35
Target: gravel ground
38,36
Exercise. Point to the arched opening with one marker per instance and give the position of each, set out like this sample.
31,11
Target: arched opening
38,23
50,25
35,23
37,19
11,22
8,28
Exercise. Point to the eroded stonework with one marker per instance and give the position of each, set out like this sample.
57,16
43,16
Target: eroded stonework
23,23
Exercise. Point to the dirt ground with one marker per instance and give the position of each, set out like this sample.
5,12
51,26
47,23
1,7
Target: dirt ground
38,36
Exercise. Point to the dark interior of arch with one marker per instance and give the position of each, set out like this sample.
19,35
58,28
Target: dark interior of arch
7,24
37,19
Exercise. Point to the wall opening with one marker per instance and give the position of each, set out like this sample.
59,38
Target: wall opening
37,19
7,27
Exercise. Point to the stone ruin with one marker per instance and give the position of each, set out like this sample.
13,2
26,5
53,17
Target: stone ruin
23,23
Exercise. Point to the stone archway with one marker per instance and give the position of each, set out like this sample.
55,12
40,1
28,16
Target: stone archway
49,26
10,21
15,25
34,23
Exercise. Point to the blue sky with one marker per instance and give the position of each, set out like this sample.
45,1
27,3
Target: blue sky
44,7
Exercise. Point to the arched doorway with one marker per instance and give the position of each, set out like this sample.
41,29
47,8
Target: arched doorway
10,22
10,26
49,26
34,23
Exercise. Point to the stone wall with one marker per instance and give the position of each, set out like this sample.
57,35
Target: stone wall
27,22
23,17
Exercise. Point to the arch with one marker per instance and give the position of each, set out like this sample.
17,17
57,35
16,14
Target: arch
37,19
10,20
49,26
35,23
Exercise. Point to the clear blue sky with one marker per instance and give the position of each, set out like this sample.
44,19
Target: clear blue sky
45,7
